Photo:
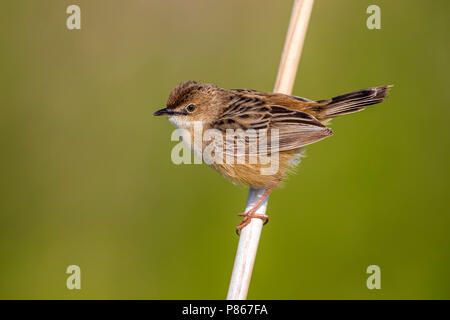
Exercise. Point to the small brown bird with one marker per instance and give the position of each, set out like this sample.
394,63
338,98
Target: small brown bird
297,122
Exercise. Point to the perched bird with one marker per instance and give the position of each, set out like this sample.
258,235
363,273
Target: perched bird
297,121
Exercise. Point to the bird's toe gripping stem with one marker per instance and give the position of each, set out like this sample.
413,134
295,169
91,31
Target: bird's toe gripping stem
248,216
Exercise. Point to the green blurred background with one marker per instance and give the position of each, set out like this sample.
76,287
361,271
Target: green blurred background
86,175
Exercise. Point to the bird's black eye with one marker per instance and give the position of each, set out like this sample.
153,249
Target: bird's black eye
190,108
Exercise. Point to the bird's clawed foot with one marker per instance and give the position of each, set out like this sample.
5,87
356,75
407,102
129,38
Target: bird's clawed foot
248,216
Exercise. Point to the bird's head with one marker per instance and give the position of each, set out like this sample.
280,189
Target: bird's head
191,101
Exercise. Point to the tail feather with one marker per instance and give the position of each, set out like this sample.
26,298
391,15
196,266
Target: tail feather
350,102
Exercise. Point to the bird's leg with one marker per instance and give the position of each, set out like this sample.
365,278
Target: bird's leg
251,213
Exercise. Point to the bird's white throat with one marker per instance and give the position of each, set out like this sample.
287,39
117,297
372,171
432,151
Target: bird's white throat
181,122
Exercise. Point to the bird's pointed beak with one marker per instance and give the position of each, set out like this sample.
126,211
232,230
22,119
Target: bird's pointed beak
164,111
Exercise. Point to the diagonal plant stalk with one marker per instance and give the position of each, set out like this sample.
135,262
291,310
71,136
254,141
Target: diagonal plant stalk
249,238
